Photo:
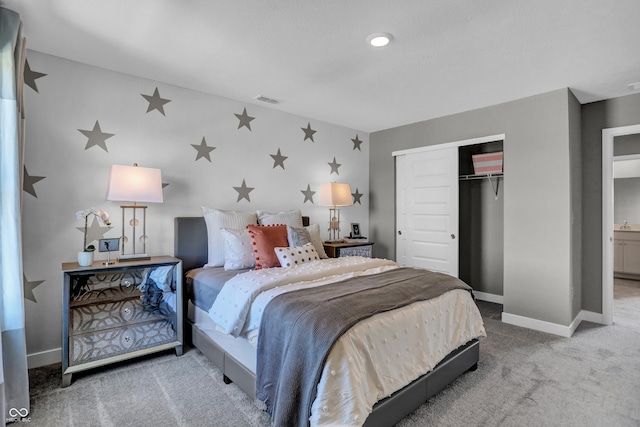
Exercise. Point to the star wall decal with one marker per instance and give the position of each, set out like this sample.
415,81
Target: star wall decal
155,102
29,181
164,184
308,132
356,197
30,76
243,191
203,150
96,137
29,287
356,143
94,231
308,194
278,159
245,119
334,166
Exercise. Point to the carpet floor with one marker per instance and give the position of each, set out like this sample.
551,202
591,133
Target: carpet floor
524,378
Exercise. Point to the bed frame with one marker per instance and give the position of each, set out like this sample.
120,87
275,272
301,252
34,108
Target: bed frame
190,245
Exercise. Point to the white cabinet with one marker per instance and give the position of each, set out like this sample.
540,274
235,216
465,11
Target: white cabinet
626,259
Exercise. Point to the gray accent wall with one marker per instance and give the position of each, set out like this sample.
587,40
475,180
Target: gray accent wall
596,116
540,193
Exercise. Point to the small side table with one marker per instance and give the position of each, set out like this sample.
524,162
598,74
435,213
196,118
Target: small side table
110,313
337,250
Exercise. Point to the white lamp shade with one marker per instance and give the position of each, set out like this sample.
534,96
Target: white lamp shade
134,184
335,194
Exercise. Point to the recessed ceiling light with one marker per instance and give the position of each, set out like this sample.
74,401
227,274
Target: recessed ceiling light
379,39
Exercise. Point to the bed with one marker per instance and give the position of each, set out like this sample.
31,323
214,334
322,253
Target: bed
236,355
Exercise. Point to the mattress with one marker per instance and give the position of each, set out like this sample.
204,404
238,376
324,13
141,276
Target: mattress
376,357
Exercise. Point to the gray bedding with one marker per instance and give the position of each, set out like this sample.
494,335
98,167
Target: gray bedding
299,328
204,284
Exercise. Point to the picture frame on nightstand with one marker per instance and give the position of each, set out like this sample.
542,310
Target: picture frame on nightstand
355,229
109,245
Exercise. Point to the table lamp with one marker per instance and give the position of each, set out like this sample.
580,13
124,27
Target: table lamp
134,184
335,194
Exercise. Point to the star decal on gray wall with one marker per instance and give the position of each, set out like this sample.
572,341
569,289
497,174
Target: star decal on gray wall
30,76
308,194
245,119
356,143
28,181
356,196
243,191
29,287
334,166
164,184
155,102
308,132
278,159
94,232
96,137
203,150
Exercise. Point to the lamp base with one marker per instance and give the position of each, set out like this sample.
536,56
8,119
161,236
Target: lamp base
133,257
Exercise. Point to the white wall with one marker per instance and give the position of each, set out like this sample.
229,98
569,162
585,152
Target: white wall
73,96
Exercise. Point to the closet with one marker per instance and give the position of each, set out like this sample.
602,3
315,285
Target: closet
481,229
448,217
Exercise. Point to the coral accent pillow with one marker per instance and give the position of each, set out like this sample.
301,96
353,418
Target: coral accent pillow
264,240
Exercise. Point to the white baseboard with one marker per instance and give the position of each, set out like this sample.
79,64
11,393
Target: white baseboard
590,316
44,358
483,296
538,325
553,328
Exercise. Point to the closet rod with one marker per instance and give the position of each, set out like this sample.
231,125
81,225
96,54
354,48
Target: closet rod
488,176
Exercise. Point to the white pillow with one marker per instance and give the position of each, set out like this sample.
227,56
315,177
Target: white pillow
217,219
314,233
292,257
238,251
292,218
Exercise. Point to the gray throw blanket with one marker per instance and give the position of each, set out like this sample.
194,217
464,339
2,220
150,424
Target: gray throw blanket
299,328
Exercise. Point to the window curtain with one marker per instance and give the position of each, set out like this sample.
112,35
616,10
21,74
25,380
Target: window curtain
14,381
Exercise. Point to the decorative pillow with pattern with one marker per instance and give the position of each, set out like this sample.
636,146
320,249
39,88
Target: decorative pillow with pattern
264,238
292,257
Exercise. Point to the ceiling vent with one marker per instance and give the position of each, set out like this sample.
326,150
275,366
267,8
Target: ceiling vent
267,99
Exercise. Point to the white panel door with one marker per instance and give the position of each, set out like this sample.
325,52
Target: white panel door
427,210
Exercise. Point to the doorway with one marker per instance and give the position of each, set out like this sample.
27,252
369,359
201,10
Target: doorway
608,136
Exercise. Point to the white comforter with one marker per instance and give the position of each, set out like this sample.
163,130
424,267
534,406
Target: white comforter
376,357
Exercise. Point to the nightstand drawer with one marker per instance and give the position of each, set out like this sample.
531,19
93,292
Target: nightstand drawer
100,316
365,251
102,344
340,249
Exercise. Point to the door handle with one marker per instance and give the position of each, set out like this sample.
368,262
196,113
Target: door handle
453,236
399,233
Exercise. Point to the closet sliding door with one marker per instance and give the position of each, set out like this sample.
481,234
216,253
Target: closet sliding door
427,210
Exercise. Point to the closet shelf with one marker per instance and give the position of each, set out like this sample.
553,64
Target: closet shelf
497,176
483,176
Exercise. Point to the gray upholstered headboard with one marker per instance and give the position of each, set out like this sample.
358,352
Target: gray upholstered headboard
190,241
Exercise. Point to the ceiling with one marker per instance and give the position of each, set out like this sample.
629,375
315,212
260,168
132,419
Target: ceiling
448,56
